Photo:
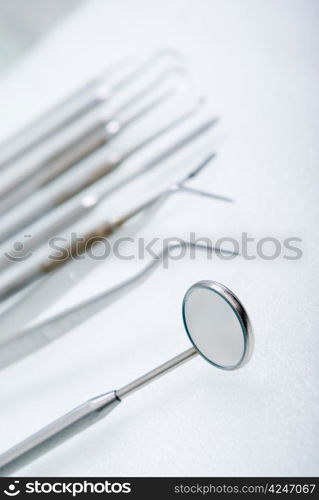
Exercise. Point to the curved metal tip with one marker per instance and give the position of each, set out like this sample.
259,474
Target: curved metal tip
198,169
149,63
199,192
206,194
149,89
166,74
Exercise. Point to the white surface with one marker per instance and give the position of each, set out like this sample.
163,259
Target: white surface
258,61
22,23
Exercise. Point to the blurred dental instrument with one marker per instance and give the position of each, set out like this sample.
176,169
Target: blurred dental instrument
73,106
19,345
106,229
100,168
80,140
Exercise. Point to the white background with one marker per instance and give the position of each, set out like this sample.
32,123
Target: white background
258,62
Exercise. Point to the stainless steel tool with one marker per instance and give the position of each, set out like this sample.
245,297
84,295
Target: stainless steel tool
18,346
219,329
79,140
85,99
104,230
98,169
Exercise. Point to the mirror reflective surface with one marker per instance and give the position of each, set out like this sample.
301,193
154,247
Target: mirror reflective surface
217,325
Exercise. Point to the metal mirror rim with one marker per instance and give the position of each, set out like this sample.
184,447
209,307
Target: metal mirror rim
239,310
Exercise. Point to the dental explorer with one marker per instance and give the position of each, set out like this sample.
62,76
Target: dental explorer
220,331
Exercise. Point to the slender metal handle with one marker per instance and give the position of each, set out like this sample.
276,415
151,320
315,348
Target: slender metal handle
62,219
80,418
31,213
80,148
53,121
17,283
78,247
74,143
157,372
83,416
57,432
27,276
23,216
101,170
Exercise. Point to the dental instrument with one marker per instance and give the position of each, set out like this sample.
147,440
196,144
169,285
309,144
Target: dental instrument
73,106
99,169
80,140
219,330
18,346
106,229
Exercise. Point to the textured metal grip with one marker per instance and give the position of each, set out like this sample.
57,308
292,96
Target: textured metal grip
78,247
98,173
24,216
79,149
57,432
16,283
57,224
73,145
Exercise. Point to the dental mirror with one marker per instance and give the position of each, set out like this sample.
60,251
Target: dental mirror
217,325
220,331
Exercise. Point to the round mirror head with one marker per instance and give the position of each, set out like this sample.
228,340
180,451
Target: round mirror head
217,325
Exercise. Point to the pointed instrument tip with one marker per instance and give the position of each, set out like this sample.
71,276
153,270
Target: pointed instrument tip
204,163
